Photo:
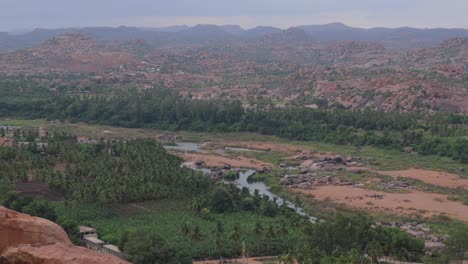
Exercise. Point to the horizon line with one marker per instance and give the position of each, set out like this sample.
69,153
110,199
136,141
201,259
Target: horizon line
20,31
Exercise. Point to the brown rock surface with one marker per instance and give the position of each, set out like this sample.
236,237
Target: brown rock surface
25,239
56,253
17,229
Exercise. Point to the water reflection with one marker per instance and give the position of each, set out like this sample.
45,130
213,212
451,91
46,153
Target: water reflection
264,190
184,146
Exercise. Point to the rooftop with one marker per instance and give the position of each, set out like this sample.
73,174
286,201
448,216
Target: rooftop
112,247
87,229
93,240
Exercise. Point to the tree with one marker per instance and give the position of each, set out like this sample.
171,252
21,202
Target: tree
457,243
185,229
148,248
236,235
195,237
221,200
218,239
258,229
288,258
297,202
375,251
270,233
283,231
196,234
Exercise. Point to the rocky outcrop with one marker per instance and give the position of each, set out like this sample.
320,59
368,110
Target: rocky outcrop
56,253
25,239
17,229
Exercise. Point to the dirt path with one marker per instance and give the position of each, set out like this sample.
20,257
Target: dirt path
426,204
219,161
437,178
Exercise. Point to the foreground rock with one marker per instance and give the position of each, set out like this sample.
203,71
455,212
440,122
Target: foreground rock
25,239
17,229
57,253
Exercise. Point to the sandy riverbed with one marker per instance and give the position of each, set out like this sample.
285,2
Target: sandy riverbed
425,204
437,178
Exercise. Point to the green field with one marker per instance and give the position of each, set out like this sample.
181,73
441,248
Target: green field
166,219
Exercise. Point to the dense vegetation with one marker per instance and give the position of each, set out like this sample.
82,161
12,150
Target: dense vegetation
93,176
105,172
101,183
439,134
213,219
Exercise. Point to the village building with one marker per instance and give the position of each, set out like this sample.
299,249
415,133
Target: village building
86,231
113,250
93,243
90,239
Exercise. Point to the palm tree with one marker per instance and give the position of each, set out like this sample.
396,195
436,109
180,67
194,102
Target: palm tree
297,202
295,222
185,229
218,243
289,258
196,237
196,234
258,229
218,239
283,231
270,233
236,236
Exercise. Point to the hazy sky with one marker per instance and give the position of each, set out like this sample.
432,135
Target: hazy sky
20,14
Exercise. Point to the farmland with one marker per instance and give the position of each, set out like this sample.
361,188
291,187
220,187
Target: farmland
167,217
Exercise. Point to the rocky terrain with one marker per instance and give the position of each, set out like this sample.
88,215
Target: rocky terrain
32,240
68,53
282,68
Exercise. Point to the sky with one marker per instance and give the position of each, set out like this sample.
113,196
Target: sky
30,14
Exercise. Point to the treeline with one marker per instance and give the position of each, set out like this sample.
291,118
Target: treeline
440,134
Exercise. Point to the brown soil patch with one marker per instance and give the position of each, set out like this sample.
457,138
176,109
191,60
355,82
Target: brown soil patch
219,161
37,189
259,145
437,178
425,204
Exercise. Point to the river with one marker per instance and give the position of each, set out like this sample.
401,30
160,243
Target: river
242,181
264,190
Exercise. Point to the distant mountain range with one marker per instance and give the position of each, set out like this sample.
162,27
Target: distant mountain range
392,38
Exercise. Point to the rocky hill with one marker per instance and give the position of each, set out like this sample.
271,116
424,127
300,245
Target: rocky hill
72,52
33,240
450,56
286,65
